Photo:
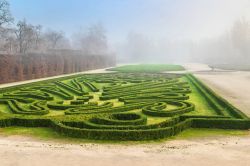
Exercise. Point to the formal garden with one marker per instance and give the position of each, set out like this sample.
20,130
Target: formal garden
131,103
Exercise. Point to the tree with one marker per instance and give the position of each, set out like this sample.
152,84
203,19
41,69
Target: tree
52,38
7,40
38,36
139,47
25,34
6,34
240,35
5,15
93,41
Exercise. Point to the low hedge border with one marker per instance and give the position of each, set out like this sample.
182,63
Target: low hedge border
70,88
116,134
215,100
90,125
121,119
184,107
36,108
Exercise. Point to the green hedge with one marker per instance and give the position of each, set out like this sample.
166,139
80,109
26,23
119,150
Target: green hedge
217,102
144,96
93,125
220,123
114,134
70,88
126,134
90,108
183,107
121,119
90,86
60,106
77,84
60,93
34,95
16,108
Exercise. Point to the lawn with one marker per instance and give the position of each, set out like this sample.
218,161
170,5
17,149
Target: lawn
148,68
47,134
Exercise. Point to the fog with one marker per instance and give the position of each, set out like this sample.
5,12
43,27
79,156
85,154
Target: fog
136,31
214,32
229,47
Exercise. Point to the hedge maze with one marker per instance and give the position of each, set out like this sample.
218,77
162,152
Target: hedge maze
119,106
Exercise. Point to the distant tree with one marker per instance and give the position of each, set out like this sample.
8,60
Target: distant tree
6,34
5,15
38,36
25,35
139,47
93,41
240,35
52,38
7,40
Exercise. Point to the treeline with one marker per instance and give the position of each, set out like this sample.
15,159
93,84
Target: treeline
232,47
23,37
27,51
20,67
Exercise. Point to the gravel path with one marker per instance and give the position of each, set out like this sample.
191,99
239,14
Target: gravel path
217,151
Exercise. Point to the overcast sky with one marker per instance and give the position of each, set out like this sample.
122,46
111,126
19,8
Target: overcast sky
170,19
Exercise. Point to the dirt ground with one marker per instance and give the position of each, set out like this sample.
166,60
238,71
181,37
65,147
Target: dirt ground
24,151
216,151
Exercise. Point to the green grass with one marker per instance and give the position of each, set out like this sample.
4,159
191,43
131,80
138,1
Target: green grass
41,133
4,108
149,68
47,134
201,105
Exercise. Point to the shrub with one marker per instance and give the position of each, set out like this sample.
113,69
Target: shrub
151,106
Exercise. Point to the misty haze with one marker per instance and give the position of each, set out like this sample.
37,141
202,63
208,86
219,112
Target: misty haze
124,82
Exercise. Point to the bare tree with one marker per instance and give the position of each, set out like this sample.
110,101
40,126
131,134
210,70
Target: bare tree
240,35
139,47
5,15
5,32
7,40
93,41
25,35
38,36
52,38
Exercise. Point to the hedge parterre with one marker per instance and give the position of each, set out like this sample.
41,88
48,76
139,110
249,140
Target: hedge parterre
117,106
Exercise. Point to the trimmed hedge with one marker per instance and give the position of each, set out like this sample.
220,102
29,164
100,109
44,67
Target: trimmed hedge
217,102
114,134
90,86
93,125
106,108
70,88
144,97
220,123
34,94
157,110
60,93
126,133
121,119
36,108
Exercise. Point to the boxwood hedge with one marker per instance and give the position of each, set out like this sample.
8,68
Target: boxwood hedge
116,106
